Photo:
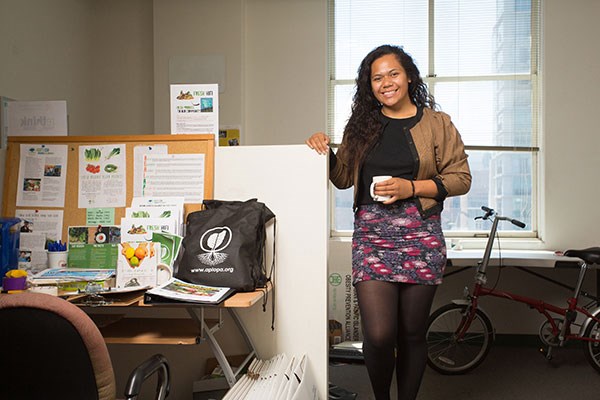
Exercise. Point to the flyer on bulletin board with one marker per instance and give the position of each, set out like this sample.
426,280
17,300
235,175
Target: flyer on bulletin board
93,247
42,175
195,109
37,229
102,176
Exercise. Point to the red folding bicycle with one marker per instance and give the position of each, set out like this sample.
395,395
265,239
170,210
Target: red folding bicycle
460,334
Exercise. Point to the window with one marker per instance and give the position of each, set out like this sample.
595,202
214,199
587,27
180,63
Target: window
479,59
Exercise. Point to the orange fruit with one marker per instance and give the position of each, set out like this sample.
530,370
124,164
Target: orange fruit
140,253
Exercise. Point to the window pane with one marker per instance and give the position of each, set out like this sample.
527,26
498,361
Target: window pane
342,105
489,113
482,73
344,217
502,181
360,26
482,37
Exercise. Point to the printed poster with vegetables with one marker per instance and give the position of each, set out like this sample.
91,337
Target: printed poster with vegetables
102,176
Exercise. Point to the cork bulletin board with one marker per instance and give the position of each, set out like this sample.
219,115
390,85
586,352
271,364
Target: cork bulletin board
75,216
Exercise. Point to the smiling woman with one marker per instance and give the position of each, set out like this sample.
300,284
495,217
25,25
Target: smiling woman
398,248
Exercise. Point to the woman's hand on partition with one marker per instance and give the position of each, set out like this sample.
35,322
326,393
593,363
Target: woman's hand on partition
319,142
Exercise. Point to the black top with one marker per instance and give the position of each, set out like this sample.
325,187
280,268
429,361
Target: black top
391,155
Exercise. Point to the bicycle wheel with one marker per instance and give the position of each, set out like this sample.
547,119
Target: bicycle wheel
592,349
450,355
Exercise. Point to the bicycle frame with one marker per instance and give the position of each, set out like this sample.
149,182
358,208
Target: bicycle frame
546,309
542,307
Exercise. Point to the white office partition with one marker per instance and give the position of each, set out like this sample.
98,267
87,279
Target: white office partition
292,181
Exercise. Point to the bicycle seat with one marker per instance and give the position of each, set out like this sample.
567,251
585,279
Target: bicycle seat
590,255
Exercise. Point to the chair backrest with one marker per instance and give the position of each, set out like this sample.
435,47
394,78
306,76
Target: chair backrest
50,349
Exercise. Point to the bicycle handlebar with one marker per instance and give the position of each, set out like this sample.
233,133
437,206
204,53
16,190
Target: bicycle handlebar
490,212
517,223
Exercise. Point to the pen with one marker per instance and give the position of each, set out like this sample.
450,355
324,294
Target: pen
57,246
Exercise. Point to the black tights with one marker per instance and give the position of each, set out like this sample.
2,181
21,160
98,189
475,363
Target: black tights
394,321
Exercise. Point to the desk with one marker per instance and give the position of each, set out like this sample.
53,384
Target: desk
521,259
117,328
512,258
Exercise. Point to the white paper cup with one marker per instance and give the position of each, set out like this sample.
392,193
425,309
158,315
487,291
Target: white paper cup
376,179
57,259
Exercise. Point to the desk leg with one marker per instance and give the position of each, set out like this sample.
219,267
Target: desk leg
230,376
220,356
245,335
198,317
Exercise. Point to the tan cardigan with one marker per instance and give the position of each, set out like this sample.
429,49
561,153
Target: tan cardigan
441,155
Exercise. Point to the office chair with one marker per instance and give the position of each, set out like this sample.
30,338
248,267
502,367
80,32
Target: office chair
50,349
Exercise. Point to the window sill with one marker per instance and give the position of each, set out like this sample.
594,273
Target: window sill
507,243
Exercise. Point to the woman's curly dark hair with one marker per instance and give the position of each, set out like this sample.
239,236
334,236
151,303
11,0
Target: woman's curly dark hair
364,125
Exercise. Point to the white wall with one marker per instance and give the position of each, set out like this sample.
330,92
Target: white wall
45,54
122,96
570,125
198,27
285,72
292,182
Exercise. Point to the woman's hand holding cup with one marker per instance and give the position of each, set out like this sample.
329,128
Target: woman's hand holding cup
387,189
376,180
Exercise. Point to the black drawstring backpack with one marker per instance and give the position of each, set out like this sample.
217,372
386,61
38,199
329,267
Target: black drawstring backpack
224,245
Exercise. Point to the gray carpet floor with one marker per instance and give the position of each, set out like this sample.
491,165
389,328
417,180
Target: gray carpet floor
515,372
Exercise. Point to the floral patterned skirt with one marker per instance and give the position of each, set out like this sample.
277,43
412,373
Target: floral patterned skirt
394,243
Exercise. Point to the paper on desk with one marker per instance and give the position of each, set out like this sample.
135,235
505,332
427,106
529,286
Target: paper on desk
176,289
64,274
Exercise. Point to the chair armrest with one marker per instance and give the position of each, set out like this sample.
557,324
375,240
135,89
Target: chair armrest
156,363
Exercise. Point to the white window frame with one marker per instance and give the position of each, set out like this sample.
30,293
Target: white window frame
431,79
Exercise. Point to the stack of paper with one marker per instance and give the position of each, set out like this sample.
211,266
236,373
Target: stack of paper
72,280
150,237
152,214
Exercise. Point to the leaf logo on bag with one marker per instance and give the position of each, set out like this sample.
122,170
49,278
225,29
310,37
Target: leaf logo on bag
212,242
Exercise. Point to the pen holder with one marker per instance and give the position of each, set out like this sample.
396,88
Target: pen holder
57,259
